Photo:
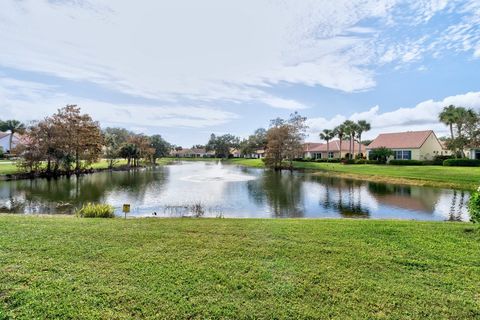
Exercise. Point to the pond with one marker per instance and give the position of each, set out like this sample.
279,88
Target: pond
213,189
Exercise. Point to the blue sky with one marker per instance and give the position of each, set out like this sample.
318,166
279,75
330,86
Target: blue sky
185,69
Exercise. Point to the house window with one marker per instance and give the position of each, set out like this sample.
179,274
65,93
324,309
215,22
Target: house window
402,154
477,154
330,155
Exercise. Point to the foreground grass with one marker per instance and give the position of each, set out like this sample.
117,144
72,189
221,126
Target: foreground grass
437,176
207,268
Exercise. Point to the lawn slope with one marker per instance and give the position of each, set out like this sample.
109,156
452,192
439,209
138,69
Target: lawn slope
237,269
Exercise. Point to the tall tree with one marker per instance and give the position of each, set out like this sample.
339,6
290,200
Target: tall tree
463,120
449,116
285,141
14,126
340,133
362,126
327,135
350,129
114,140
222,144
82,137
160,146
258,140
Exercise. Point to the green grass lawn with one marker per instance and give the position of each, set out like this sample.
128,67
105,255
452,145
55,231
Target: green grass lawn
69,268
437,176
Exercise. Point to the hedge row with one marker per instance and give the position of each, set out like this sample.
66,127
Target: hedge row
406,162
461,163
439,162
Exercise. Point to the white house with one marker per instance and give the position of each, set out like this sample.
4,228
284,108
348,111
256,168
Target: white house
474,153
5,141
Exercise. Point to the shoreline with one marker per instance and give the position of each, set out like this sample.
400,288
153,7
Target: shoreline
42,175
321,219
326,171
388,180
316,169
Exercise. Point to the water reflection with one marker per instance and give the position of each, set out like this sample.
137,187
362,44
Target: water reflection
280,192
213,189
65,194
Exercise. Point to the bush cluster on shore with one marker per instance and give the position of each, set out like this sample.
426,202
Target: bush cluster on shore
474,206
91,210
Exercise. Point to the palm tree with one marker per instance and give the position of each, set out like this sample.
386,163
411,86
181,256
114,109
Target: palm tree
355,129
363,126
14,126
449,116
327,135
339,131
350,128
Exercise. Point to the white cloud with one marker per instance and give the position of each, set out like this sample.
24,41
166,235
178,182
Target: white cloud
423,116
29,101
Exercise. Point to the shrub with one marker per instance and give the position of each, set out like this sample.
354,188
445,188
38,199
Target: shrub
474,207
372,162
381,154
361,161
438,160
1,153
349,161
406,162
96,211
461,163
329,160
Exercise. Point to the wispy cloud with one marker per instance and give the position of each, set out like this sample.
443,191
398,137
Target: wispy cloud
29,101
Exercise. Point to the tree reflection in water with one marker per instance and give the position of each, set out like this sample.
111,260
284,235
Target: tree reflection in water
64,194
282,191
343,196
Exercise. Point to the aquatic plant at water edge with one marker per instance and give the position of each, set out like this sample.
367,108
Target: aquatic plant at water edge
474,206
91,210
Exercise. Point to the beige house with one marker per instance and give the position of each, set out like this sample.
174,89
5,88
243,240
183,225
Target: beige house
319,150
257,154
235,153
411,145
192,153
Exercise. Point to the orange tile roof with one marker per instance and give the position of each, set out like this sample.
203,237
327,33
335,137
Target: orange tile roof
399,140
333,146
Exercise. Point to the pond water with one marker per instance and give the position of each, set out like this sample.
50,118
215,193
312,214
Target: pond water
215,190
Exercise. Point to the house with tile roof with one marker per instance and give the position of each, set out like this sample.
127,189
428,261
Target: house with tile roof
319,150
410,145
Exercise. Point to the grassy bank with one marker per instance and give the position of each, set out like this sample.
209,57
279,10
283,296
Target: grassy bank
435,176
9,167
214,268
